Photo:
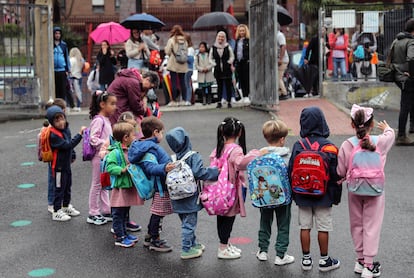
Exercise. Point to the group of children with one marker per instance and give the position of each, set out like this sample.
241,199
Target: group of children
121,147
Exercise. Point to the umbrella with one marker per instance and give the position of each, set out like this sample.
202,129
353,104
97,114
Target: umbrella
306,75
111,31
283,16
142,21
215,19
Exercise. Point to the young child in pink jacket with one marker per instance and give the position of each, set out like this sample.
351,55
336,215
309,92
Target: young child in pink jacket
365,212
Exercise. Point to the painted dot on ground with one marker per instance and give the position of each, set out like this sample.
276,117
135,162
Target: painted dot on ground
21,223
27,164
31,145
240,240
26,185
41,272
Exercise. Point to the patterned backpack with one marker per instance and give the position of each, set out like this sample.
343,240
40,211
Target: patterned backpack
180,180
218,197
268,181
365,174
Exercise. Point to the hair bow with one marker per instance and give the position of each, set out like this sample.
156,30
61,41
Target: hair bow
367,112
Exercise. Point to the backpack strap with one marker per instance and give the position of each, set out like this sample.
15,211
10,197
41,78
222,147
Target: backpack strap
149,157
187,155
55,151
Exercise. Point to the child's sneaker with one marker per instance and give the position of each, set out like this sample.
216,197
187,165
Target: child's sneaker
133,227
107,216
160,246
199,246
374,271
96,219
147,240
60,215
328,264
307,263
287,259
124,242
227,254
132,238
359,267
192,253
234,248
70,210
261,256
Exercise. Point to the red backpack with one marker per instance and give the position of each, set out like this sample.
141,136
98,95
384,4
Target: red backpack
310,172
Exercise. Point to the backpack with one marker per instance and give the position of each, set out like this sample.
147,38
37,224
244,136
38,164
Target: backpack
365,174
108,180
181,56
45,152
143,184
89,151
218,197
155,58
269,181
180,180
310,171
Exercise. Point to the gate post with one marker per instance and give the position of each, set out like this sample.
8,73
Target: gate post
43,50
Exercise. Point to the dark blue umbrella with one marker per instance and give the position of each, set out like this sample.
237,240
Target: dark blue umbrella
142,22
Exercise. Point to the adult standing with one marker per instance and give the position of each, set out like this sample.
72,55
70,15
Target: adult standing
222,56
189,73
61,66
312,59
130,88
241,63
177,70
403,60
76,63
282,62
137,51
368,42
338,41
106,65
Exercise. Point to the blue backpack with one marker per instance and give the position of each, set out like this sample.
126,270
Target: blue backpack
269,181
143,184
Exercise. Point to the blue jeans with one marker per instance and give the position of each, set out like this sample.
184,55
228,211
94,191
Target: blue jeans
339,63
177,85
189,88
119,218
188,226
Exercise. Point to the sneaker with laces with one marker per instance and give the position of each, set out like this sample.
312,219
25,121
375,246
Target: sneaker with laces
107,216
192,253
172,104
374,271
261,256
287,259
70,210
132,238
124,242
328,264
359,267
133,227
199,246
234,248
60,215
96,219
159,245
227,254
307,263
147,240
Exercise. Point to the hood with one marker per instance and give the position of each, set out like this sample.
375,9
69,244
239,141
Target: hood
57,28
52,111
178,140
312,122
131,73
404,35
282,151
139,148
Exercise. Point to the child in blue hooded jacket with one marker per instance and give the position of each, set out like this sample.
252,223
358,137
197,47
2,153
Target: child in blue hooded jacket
187,208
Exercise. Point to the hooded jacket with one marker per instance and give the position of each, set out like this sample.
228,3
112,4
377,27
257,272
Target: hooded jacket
403,56
313,125
65,145
179,141
61,60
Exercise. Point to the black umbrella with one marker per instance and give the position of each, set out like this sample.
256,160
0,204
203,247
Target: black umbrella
215,19
306,76
283,16
142,22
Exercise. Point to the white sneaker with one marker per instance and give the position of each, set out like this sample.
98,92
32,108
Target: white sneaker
261,256
233,100
187,103
50,208
172,104
223,101
234,248
70,210
227,254
60,215
287,259
246,100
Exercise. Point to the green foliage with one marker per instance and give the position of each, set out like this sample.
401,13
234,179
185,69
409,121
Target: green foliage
71,38
11,31
20,60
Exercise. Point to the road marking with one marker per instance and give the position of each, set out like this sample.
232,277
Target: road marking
20,223
26,185
31,145
27,164
41,272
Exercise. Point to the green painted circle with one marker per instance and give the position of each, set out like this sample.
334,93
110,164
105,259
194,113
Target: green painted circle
41,272
26,185
21,223
31,145
27,163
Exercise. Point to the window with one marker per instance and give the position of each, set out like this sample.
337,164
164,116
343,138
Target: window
98,6
117,5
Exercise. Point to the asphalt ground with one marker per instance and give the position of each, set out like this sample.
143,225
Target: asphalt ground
32,245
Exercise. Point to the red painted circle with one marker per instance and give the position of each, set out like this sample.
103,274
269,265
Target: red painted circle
240,240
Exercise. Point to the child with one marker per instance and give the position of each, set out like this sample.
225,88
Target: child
124,195
313,126
153,129
187,208
103,105
205,72
275,132
61,164
229,132
365,212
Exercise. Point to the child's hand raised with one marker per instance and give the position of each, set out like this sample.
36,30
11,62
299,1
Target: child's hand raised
383,125
82,129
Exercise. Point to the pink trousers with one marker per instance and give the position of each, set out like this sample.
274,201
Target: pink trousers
365,216
98,198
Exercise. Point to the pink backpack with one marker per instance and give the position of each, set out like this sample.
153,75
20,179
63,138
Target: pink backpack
218,197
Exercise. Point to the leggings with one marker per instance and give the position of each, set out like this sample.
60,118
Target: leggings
224,227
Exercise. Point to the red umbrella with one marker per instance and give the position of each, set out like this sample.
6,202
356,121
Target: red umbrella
111,31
